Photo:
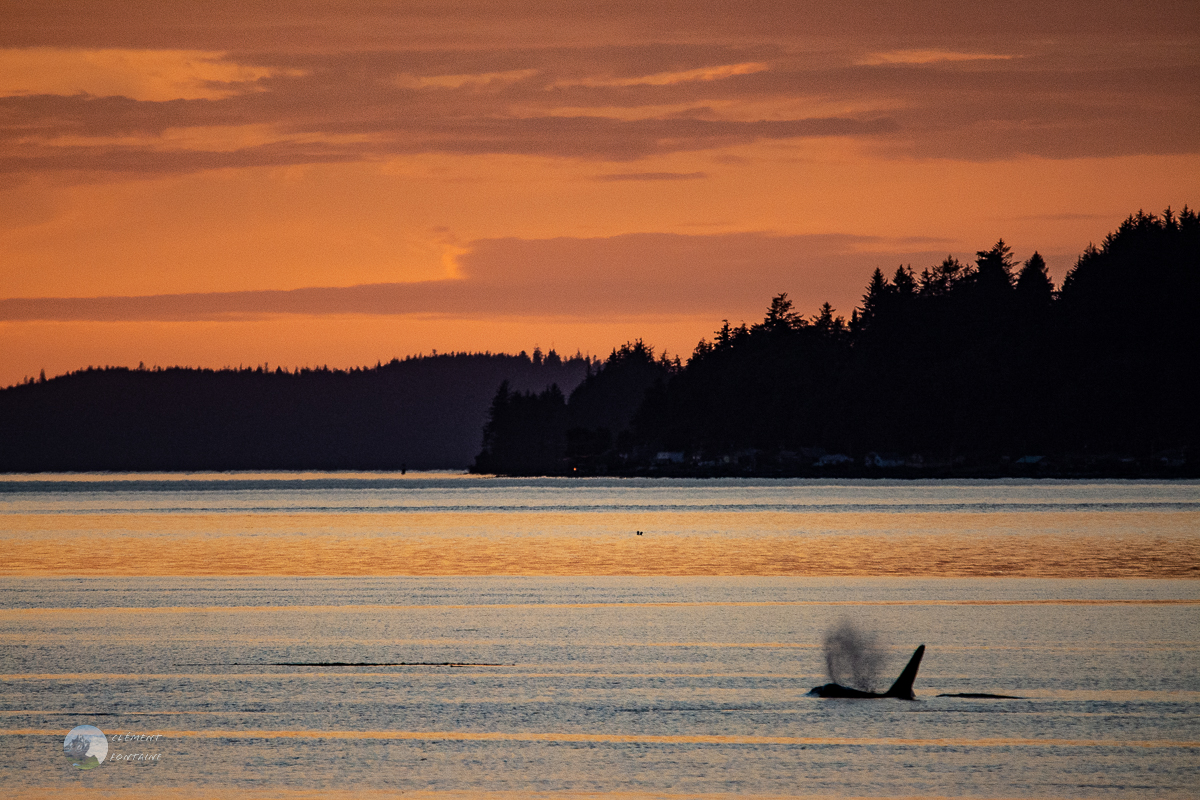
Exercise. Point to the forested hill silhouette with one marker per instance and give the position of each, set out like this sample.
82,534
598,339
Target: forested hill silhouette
422,412
962,369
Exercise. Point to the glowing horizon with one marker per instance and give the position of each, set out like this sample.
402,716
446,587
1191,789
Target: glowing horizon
344,183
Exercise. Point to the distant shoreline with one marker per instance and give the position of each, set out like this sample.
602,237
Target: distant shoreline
857,473
1121,472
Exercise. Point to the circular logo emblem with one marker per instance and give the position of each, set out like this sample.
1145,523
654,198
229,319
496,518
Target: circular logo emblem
86,746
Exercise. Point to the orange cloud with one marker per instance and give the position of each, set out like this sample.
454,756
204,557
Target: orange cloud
148,75
156,111
927,57
652,176
407,81
670,78
640,274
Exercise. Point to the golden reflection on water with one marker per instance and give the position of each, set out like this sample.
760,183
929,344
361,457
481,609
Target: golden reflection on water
624,738
1074,544
327,793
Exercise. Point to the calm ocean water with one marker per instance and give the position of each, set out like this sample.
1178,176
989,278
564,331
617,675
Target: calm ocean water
445,636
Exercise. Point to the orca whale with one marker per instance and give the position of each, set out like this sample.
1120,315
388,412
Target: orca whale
902,689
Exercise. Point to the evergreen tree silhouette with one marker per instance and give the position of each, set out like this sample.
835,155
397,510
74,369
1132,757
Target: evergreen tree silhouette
993,276
1033,285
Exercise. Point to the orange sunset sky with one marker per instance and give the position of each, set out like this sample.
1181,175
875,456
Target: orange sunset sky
340,182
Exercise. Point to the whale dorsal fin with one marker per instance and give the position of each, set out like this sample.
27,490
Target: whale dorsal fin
903,687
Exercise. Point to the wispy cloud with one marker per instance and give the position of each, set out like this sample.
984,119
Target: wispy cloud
392,132
150,75
928,57
669,78
652,176
727,274
999,92
475,81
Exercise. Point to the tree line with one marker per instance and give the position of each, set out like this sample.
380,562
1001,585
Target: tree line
970,368
421,412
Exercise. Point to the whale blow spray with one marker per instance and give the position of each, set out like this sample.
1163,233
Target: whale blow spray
853,657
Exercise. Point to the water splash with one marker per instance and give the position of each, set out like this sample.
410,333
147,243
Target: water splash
854,657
